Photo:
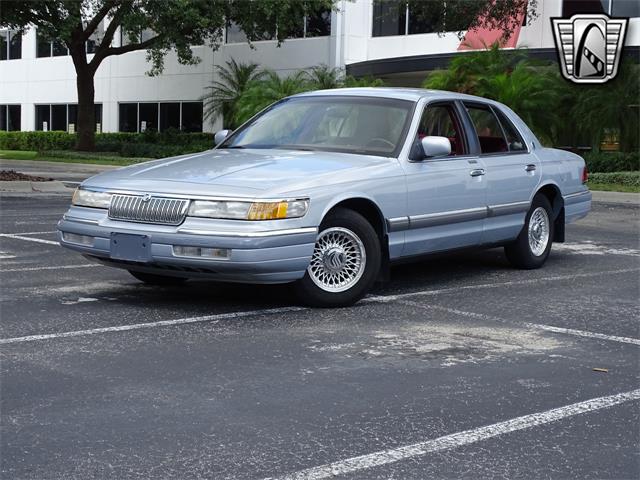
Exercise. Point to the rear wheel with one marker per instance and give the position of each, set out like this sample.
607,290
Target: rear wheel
532,247
153,279
345,262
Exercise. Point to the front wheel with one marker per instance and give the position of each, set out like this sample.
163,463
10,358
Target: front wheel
532,247
345,261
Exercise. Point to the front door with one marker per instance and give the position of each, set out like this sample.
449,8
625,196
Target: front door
512,172
446,195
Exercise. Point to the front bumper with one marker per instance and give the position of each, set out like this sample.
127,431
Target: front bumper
258,252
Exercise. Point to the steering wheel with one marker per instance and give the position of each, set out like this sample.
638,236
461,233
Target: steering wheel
379,140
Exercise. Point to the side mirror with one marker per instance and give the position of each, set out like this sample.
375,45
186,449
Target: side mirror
220,135
436,146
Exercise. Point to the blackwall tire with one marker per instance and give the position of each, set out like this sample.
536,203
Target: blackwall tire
533,245
345,262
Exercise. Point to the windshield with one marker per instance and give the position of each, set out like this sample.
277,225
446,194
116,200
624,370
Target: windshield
364,125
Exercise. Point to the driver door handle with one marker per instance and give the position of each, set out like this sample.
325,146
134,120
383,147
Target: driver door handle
530,168
477,172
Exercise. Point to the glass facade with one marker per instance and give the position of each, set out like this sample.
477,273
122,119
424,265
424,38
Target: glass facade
10,45
59,116
10,117
315,24
162,116
615,8
397,17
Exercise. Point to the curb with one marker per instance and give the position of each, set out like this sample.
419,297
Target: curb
616,198
33,187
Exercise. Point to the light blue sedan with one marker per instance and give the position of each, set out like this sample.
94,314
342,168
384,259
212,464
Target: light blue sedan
326,189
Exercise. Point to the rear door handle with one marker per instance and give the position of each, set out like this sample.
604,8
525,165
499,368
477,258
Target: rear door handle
530,168
477,172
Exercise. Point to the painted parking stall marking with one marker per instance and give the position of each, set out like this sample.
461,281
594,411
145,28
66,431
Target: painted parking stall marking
61,267
162,323
538,326
372,299
28,239
455,440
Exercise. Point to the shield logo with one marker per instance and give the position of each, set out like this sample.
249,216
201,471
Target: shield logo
589,46
146,197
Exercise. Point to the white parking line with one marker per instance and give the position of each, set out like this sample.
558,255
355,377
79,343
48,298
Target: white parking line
35,269
162,323
455,440
527,281
372,299
20,237
549,328
27,233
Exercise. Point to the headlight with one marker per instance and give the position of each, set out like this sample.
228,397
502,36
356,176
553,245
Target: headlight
89,198
249,210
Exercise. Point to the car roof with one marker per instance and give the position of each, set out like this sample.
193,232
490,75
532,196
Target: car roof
401,93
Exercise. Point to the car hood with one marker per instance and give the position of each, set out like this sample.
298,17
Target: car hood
246,172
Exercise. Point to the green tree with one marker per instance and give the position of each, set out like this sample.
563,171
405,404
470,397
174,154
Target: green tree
614,105
268,90
465,69
529,88
533,92
324,77
169,24
222,96
352,82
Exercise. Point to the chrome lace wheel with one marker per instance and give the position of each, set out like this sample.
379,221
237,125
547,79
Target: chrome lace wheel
538,231
338,260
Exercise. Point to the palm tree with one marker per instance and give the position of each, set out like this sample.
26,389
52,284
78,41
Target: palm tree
534,93
350,81
223,95
614,105
463,71
267,90
324,77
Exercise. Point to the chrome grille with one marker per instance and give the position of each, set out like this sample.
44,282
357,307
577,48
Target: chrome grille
145,209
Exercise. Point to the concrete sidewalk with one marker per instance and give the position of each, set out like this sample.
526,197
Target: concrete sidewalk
61,171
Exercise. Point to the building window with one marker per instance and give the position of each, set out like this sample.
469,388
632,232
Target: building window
63,117
45,47
315,24
625,8
148,117
10,116
397,17
614,8
191,120
160,116
389,18
10,45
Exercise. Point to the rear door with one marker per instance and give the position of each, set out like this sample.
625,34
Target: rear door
512,171
445,195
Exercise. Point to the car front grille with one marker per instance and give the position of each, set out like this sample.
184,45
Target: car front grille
148,209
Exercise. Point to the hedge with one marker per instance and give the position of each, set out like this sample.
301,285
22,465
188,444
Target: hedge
149,144
631,179
612,161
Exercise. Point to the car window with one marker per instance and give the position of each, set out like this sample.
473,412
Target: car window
364,125
514,139
441,121
488,129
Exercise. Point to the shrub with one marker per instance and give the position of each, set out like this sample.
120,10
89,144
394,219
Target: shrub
36,141
149,144
612,161
630,179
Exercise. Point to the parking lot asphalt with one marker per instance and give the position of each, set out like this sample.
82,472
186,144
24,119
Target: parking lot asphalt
460,367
